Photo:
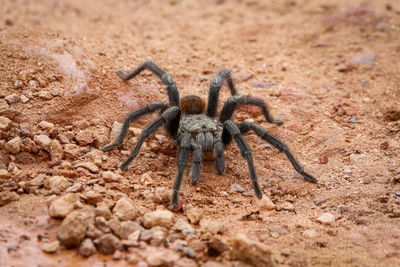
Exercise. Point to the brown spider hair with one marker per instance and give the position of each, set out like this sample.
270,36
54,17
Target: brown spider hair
192,104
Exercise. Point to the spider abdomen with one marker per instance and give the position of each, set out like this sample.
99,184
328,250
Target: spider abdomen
202,128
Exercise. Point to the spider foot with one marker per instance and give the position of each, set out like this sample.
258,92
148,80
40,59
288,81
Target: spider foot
125,165
108,147
122,75
309,177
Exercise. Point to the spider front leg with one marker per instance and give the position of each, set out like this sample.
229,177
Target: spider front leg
173,93
130,117
261,132
196,164
215,87
165,117
184,146
219,156
245,151
230,107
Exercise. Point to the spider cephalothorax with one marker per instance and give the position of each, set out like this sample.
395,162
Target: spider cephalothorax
196,129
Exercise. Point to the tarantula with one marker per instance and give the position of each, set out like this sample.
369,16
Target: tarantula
196,129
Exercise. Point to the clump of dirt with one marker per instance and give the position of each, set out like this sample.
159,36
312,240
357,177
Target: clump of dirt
327,69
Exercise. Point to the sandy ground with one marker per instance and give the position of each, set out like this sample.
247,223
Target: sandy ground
330,69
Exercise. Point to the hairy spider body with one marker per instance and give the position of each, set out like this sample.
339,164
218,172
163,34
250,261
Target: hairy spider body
194,126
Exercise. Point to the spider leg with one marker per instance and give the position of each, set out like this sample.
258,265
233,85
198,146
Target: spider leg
165,117
173,93
184,141
215,87
261,132
196,164
231,104
219,156
131,117
245,151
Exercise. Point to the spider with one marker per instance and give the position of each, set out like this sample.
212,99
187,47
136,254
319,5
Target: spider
195,127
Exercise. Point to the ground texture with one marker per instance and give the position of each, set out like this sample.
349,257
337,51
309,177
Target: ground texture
330,69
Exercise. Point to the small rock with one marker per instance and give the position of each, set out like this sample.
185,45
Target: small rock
125,209
162,257
72,151
24,99
117,255
109,176
310,233
218,243
185,262
265,203
161,195
261,84
384,145
181,225
211,226
323,159
92,198
7,197
3,104
42,140
286,206
365,59
37,181
62,206
77,187
14,145
250,251
194,215
90,166
12,99
326,218
51,247
56,183
241,76
5,123
146,235
56,150
87,248
18,84
84,137
4,174
45,94
146,179
347,171
132,259
45,125
108,244
116,129
158,218
73,228
235,188
277,230
104,211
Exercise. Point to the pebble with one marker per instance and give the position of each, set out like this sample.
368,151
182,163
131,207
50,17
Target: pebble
384,145
51,247
108,244
18,84
185,262
5,123
132,259
163,218
218,243
323,159
146,235
265,203
77,187
347,171
261,84
45,94
310,233
286,206
4,174
62,206
184,227
56,150
56,183
127,228
73,228
188,251
90,166
365,59
211,226
45,125
12,99
326,218
72,151
235,188
125,209
84,137
115,130
109,176
92,197
7,197
117,255
162,195
14,145
194,215
277,230
251,251
104,211
162,257
87,248
42,140
24,99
